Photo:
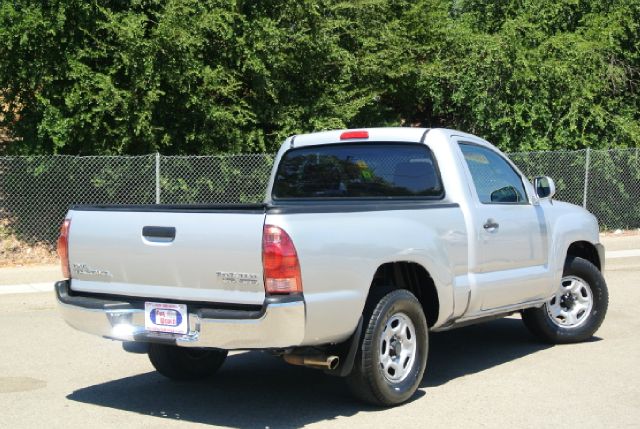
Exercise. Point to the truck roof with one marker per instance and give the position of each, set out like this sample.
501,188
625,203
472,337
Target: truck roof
386,134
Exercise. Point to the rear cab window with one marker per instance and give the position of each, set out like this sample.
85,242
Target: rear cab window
361,170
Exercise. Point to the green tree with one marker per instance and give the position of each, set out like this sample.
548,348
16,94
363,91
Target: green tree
212,76
529,75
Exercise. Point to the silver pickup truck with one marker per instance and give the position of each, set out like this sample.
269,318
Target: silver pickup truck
367,241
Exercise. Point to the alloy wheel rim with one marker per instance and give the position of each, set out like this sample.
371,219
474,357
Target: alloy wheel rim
571,306
398,348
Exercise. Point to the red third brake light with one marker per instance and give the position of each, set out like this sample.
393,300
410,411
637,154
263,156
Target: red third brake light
347,135
63,248
280,260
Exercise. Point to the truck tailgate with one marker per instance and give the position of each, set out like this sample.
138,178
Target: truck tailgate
181,254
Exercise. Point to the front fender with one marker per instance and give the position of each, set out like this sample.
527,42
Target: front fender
568,224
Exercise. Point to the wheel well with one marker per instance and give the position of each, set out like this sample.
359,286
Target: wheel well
414,278
585,250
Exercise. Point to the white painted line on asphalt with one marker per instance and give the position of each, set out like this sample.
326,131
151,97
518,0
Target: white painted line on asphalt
622,253
26,288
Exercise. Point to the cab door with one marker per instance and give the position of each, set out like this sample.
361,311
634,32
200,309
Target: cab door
508,259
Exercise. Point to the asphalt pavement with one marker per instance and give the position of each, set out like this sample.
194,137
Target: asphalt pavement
490,375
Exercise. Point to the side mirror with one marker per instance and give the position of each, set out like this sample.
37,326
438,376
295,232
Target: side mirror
545,187
508,194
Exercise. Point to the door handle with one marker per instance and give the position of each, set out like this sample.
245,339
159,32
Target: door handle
163,234
491,225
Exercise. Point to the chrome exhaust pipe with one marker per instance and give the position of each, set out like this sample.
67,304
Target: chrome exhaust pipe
317,361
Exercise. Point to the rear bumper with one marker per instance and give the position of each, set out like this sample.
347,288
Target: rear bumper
279,324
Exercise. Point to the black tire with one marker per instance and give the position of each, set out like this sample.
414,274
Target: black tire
367,380
184,363
540,323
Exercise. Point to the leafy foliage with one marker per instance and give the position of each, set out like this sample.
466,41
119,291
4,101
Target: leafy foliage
211,76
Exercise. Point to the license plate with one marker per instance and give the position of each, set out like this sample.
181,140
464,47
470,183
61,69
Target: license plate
163,317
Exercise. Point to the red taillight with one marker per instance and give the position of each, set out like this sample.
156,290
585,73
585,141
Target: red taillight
347,135
280,260
63,248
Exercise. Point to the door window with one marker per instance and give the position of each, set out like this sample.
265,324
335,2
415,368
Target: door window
495,180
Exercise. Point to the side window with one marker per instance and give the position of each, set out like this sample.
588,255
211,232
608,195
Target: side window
495,180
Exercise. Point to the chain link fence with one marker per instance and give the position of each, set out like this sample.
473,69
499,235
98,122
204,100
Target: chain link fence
605,182
36,191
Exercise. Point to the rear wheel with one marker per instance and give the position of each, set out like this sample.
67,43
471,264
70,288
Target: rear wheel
577,309
393,354
184,363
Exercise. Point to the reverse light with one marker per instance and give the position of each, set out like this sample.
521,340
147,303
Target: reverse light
63,248
348,135
280,261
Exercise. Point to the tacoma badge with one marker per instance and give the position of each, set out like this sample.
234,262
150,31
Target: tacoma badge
88,271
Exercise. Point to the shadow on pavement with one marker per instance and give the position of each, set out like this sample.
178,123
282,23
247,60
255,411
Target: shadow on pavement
475,348
258,390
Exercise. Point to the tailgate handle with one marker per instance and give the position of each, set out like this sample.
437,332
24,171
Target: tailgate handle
159,233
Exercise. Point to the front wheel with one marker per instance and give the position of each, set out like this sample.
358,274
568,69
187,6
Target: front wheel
392,357
184,363
577,309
